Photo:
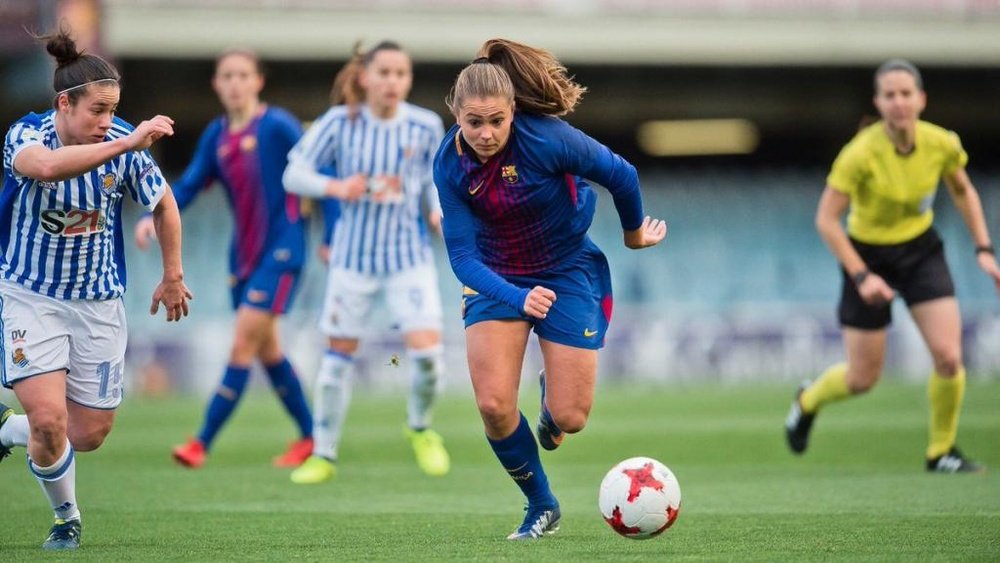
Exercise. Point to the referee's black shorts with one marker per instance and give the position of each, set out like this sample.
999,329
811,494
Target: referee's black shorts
916,269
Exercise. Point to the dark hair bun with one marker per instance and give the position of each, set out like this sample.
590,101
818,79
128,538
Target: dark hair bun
63,48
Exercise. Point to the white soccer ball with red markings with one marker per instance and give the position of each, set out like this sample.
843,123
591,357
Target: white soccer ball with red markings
640,498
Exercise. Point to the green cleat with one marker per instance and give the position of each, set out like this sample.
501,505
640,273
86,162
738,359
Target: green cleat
5,413
428,446
314,470
63,535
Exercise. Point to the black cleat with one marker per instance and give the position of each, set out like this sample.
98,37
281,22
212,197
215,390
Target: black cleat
5,413
65,534
954,462
798,424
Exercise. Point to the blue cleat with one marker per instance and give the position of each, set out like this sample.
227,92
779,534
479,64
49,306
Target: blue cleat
5,413
549,435
65,534
537,523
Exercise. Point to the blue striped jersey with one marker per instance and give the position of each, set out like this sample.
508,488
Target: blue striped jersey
384,231
64,239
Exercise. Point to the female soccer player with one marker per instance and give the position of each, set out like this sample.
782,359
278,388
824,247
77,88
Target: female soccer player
62,270
887,176
513,181
376,151
246,150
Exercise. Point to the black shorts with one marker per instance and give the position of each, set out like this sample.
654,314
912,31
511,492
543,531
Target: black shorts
916,269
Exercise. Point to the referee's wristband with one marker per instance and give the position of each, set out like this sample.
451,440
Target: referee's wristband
987,248
859,277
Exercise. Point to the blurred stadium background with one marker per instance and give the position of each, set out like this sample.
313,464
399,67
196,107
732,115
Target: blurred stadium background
733,111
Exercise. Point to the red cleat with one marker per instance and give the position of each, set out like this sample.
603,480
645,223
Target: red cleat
297,453
191,454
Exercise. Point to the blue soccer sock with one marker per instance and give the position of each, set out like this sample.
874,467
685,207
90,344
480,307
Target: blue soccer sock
223,402
289,389
518,453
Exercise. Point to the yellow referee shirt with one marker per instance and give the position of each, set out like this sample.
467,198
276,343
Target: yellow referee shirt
892,195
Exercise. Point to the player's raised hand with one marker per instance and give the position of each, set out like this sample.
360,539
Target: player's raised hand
174,295
539,301
150,131
348,189
651,232
145,232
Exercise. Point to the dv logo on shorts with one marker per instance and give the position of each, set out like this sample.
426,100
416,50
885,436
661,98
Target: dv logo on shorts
18,358
18,336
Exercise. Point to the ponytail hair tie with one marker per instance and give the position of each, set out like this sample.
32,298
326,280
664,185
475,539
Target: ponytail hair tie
481,60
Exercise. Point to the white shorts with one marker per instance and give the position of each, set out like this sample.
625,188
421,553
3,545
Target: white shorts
85,338
411,296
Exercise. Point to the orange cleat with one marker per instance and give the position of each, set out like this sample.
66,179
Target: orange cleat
297,453
191,454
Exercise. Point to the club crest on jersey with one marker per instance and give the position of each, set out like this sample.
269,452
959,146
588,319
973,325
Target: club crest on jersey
108,182
509,174
248,143
17,358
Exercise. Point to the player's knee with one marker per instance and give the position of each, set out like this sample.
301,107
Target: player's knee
495,412
862,384
243,351
947,362
89,439
572,421
48,428
863,375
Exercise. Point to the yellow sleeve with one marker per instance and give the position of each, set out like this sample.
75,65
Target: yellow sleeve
846,173
956,155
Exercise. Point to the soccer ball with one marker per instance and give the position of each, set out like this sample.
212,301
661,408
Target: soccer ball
640,498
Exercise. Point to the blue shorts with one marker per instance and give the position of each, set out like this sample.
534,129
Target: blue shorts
581,313
269,289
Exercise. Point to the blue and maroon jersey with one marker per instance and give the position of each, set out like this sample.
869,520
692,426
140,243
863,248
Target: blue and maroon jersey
249,163
529,206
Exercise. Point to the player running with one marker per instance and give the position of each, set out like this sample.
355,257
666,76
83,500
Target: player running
517,207
62,270
246,151
376,150
888,176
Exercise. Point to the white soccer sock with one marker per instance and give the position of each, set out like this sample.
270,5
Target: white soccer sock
15,431
332,397
426,368
58,482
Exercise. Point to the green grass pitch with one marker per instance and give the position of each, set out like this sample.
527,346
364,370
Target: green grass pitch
859,494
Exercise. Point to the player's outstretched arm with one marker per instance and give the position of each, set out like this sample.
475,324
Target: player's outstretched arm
171,291
47,165
650,233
